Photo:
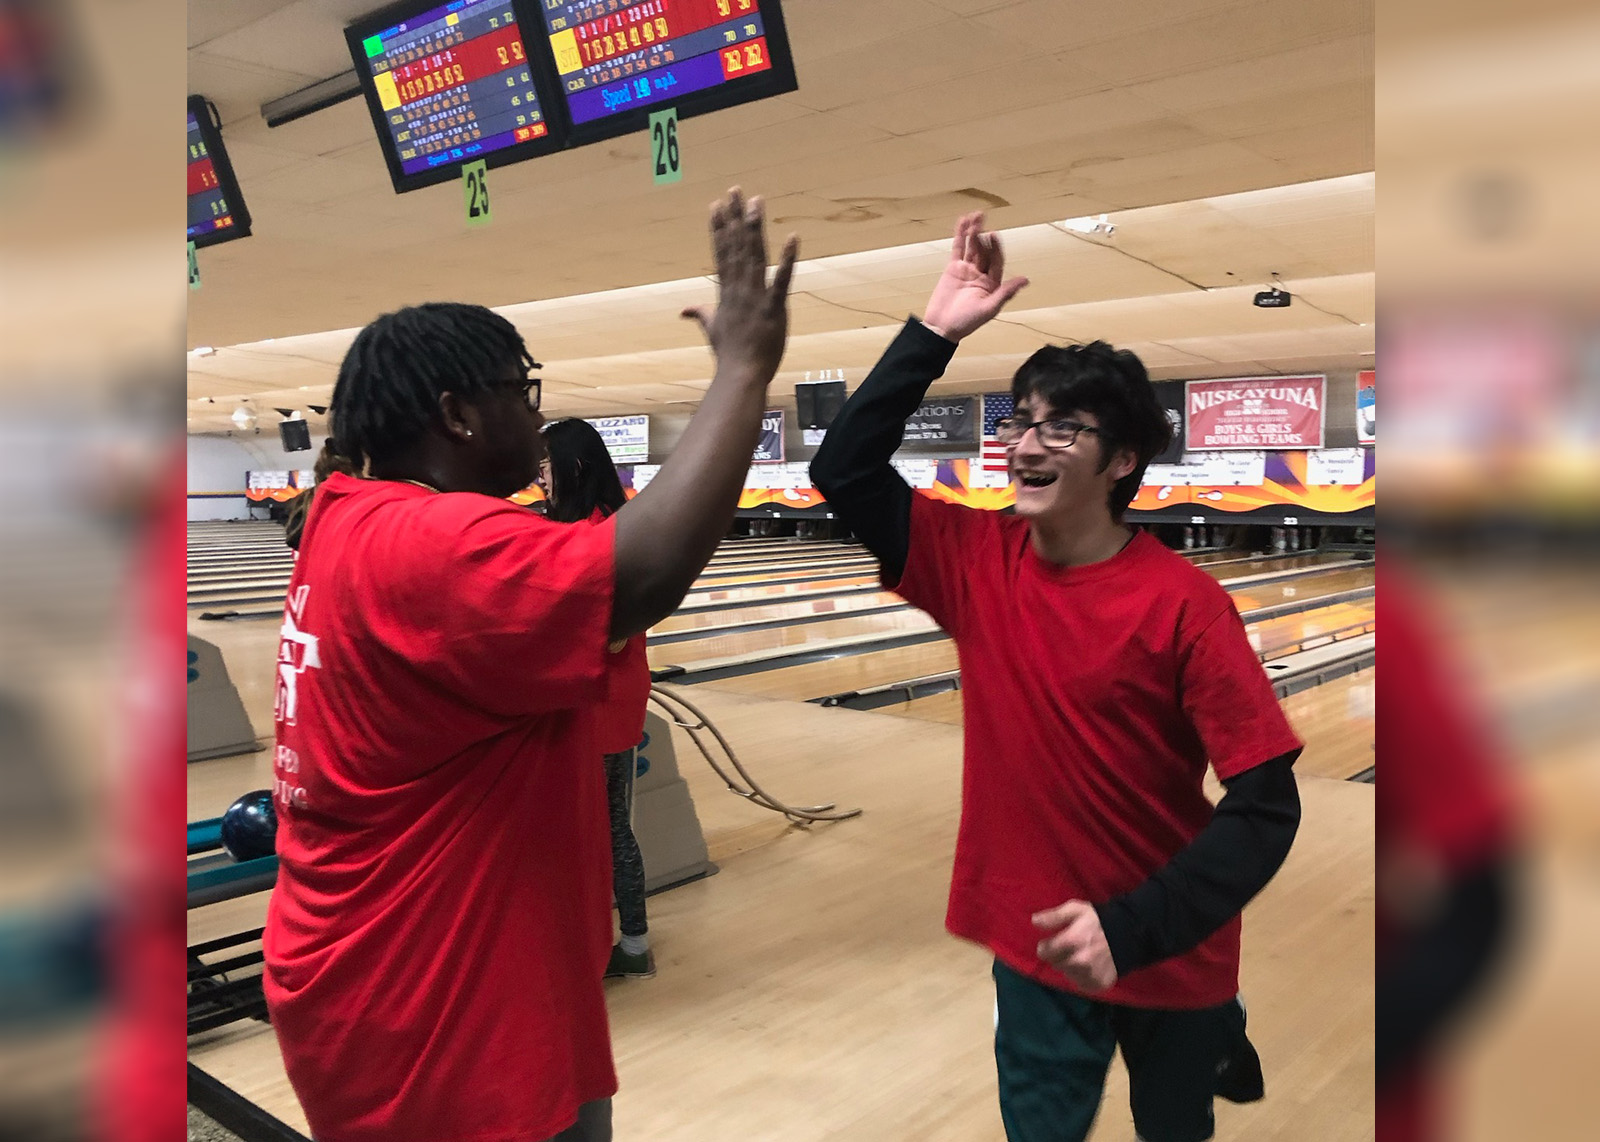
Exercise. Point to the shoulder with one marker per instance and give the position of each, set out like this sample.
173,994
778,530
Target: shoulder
407,519
955,531
1196,596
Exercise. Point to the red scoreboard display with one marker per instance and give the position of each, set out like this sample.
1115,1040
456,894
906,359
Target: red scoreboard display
449,84
614,57
216,208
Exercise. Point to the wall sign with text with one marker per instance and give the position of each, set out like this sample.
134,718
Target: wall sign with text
1255,413
627,437
769,445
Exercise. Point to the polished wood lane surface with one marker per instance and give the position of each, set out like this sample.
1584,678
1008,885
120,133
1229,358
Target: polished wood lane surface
1290,634
699,598
776,612
847,672
1269,593
867,669
904,620
1336,721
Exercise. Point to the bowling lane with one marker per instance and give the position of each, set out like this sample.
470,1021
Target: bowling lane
834,561
907,620
869,669
1336,721
847,672
699,610
797,609
701,597
1254,596
1290,634
1240,567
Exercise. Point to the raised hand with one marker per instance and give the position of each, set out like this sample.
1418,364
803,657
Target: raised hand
1077,947
750,325
972,288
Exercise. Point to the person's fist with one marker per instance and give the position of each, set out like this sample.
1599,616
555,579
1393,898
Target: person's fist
1076,946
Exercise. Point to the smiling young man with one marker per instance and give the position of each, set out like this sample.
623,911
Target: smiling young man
1100,674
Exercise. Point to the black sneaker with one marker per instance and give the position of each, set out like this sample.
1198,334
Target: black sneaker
1239,1070
624,966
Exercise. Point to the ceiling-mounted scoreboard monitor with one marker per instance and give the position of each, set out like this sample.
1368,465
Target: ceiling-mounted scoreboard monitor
615,61
506,80
217,212
449,84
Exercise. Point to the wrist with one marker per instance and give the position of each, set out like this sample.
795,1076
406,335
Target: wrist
740,375
933,325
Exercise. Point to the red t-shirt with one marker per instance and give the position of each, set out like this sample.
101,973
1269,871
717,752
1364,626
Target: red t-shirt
441,921
619,724
1093,698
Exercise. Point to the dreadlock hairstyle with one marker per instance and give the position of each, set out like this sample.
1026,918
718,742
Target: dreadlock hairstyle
582,475
1113,385
390,382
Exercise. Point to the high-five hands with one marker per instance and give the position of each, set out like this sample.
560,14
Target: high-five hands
1077,947
972,288
751,322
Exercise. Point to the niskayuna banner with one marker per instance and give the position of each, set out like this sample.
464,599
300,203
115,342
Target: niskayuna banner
1255,413
942,421
769,448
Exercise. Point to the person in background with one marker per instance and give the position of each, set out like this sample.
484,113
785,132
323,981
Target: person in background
582,486
328,462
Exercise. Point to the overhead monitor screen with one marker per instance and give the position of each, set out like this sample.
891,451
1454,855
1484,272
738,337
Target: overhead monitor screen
216,208
449,84
616,61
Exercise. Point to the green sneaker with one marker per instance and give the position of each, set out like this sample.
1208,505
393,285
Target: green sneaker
624,966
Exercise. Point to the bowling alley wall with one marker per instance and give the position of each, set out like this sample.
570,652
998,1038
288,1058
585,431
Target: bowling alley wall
228,475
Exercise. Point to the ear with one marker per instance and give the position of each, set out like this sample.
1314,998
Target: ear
459,416
1124,462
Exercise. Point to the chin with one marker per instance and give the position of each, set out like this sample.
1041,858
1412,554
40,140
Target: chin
1031,505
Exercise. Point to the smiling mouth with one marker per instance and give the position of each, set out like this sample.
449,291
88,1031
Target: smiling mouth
1035,480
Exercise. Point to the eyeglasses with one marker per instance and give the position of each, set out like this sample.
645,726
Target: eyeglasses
532,390
1052,433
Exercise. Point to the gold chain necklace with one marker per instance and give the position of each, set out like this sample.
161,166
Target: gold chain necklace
420,484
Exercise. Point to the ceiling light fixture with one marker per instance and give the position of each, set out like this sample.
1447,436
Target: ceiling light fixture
1096,225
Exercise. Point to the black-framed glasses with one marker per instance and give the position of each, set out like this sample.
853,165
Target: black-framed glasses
532,390
1054,433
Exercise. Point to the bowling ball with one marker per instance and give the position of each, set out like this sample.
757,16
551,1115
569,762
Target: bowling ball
250,826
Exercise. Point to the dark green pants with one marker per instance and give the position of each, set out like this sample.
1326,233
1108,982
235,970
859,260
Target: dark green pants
1052,1049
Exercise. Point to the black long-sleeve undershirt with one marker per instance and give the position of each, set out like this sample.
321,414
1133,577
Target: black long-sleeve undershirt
1209,881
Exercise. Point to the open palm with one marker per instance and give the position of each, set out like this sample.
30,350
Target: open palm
972,288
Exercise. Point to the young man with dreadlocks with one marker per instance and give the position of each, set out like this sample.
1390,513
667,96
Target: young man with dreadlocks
441,921
1100,672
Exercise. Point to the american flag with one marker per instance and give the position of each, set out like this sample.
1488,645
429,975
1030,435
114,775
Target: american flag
992,454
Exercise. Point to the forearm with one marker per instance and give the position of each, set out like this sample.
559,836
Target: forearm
668,532
1211,880
852,469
